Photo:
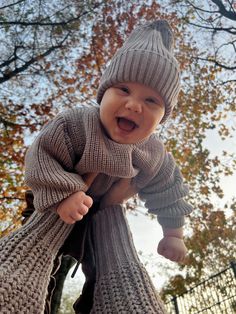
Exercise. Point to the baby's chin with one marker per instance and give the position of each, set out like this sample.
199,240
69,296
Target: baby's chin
127,140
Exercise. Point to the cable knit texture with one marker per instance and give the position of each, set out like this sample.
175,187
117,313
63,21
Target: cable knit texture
26,262
69,146
122,283
74,144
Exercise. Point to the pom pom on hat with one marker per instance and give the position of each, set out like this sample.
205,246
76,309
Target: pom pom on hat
146,57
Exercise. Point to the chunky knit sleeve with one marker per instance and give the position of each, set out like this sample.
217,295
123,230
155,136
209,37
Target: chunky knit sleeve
49,165
163,196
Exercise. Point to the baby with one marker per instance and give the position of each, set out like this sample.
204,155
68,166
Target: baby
129,114
138,91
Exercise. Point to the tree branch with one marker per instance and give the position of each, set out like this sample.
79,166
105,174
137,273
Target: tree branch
12,198
13,73
230,30
217,63
40,23
227,82
228,14
63,23
11,5
9,61
6,123
9,73
200,9
230,43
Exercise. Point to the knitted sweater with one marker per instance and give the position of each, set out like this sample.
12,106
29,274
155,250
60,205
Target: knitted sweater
74,143
69,146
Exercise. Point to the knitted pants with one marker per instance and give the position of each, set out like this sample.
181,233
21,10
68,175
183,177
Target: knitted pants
26,262
122,283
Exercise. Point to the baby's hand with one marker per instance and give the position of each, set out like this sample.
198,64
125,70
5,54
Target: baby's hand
74,207
172,248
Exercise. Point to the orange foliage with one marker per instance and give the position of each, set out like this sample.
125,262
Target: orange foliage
202,104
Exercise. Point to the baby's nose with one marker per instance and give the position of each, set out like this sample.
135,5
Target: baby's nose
134,105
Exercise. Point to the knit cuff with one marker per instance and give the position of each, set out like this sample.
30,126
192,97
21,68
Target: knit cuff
48,198
167,222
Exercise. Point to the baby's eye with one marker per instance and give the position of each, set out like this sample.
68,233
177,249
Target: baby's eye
124,89
151,100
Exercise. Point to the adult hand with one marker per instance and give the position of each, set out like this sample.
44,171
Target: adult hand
120,191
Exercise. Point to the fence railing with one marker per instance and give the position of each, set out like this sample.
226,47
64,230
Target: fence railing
216,295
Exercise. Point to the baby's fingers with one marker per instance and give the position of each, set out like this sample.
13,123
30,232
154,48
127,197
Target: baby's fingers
76,217
83,210
73,216
87,201
67,218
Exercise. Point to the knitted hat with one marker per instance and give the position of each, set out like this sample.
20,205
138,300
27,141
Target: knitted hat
147,58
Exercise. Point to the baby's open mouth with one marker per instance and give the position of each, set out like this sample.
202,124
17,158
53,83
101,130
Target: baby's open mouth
126,124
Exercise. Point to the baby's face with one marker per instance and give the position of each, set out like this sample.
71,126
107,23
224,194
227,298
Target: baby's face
130,112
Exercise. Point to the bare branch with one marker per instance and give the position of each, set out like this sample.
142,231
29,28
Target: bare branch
228,14
7,123
230,43
8,72
200,9
230,30
8,76
12,198
6,63
63,23
11,5
40,23
227,82
217,63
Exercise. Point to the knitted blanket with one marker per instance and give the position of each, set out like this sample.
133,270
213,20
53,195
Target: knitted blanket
26,262
122,283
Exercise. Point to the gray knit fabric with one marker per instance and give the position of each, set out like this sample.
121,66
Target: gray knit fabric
74,143
26,262
147,58
68,147
122,283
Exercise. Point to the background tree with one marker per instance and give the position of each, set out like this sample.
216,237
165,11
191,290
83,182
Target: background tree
36,37
209,89
33,30
87,35
213,23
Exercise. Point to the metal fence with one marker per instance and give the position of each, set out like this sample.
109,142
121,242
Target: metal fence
216,295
